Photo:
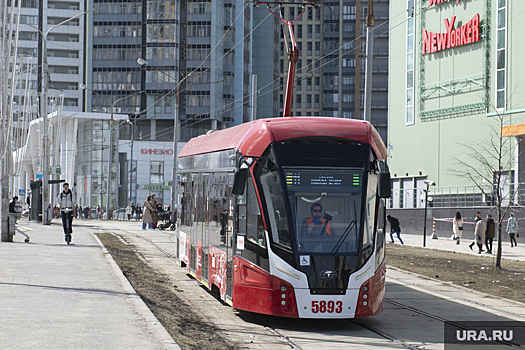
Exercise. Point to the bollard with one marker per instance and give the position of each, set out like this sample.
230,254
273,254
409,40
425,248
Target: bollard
434,229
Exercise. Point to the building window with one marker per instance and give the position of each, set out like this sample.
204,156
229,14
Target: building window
501,56
409,105
199,29
71,102
156,172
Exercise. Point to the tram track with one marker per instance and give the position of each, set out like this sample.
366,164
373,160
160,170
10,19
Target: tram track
279,334
383,334
440,319
256,319
276,332
285,338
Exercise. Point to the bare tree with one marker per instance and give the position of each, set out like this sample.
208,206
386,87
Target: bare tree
488,161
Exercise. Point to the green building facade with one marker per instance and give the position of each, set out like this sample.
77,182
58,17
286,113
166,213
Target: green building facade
455,68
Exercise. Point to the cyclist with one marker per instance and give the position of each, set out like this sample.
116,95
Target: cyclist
66,202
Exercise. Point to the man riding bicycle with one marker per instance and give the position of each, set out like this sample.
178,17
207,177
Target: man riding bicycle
66,202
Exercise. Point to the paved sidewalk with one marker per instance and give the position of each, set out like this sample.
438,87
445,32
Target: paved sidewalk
54,296
515,253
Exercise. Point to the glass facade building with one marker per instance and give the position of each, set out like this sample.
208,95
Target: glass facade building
458,96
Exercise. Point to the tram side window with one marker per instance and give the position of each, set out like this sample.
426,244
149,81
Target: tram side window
380,237
371,204
254,224
278,217
371,212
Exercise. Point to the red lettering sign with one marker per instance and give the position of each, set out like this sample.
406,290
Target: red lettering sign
466,34
436,2
157,151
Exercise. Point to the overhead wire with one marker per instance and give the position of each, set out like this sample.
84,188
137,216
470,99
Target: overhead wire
162,99
310,65
218,111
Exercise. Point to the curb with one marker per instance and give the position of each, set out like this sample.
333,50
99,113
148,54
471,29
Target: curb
153,323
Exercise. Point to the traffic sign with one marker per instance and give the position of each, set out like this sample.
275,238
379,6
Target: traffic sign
22,192
39,176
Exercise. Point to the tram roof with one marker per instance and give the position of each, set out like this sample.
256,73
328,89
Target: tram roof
254,137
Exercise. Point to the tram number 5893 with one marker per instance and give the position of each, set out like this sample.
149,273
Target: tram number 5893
324,306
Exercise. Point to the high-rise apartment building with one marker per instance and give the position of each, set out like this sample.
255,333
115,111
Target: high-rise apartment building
197,53
201,44
330,78
65,47
266,61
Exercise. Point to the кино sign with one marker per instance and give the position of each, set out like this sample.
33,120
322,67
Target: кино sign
158,151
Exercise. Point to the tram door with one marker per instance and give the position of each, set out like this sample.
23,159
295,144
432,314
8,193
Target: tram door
228,236
195,231
207,211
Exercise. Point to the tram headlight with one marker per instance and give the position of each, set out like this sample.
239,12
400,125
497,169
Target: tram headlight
365,303
365,289
365,296
283,288
283,303
283,296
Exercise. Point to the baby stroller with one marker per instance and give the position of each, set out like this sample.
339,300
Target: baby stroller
166,217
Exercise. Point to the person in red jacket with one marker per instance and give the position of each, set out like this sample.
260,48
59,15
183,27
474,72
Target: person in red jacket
316,225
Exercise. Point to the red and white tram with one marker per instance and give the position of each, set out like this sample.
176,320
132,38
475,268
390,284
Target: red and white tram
285,216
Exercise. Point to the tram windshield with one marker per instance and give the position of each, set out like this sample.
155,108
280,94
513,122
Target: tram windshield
326,210
321,199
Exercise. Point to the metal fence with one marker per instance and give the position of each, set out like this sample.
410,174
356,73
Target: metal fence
456,196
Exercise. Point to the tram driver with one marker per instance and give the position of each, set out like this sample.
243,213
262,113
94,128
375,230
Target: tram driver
317,225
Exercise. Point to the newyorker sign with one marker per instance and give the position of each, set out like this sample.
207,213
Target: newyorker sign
466,34
436,2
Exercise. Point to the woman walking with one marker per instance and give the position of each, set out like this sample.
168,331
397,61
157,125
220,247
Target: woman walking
147,217
457,227
512,229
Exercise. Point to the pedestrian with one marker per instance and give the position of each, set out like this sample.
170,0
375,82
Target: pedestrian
80,212
479,233
66,202
147,214
138,212
14,206
489,233
457,227
98,211
133,210
512,229
394,228
87,212
128,211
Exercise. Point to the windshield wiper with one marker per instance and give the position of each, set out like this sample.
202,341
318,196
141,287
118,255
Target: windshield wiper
345,234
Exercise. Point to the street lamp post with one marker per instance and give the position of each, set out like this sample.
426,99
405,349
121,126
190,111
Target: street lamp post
82,86
428,183
131,163
43,112
174,184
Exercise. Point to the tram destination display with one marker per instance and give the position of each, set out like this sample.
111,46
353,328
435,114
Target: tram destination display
323,181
